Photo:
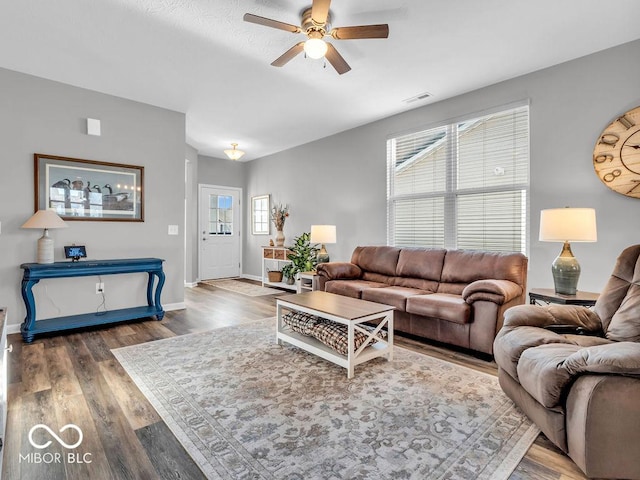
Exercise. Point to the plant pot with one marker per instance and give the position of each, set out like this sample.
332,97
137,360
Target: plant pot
291,280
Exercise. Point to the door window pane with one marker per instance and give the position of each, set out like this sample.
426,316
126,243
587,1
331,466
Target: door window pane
220,215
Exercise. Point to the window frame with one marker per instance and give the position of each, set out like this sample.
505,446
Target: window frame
451,190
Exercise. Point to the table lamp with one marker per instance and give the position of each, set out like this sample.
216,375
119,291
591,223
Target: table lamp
323,234
45,219
567,225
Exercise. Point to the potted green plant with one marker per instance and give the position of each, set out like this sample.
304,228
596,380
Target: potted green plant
289,274
303,254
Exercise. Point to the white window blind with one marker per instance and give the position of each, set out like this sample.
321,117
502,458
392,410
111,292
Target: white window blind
462,185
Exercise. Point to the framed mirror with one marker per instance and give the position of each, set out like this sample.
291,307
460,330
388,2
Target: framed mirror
260,222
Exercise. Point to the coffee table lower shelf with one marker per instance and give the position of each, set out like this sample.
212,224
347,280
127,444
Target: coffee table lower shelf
337,309
311,345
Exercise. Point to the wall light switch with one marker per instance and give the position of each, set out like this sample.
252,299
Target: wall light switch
173,229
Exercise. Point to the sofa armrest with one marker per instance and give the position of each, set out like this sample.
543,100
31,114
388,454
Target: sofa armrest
621,358
496,291
543,316
338,270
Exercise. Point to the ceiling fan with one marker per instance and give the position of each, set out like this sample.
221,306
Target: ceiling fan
315,25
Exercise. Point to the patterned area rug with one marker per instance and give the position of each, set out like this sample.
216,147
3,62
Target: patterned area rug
244,288
247,408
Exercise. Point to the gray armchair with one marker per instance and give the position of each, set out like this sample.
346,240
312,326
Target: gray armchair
575,372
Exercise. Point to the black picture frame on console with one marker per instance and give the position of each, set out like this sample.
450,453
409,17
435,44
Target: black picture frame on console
90,190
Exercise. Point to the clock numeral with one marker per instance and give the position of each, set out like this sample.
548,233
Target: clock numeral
609,139
603,158
627,122
611,176
637,184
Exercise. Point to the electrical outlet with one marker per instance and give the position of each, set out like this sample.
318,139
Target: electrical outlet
99,288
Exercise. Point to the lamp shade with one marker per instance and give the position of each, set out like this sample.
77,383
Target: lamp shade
568,225
323,234
45,219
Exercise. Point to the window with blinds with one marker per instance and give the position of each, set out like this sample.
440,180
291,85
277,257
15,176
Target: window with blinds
463,185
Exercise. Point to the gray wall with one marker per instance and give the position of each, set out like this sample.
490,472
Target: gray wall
220,171
341,179
191,220
41,116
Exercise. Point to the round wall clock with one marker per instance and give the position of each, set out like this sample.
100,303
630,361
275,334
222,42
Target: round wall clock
616,156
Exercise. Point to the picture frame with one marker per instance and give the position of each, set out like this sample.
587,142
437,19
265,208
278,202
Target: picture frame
260,214
89,190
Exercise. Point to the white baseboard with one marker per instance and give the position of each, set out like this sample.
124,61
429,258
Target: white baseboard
251,277
174,306
13,328
190,284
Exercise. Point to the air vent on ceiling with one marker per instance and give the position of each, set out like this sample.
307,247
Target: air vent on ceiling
418,97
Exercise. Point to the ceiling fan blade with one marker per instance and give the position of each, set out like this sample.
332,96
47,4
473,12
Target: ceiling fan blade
336,60
320,11
288,55
361,31
267,22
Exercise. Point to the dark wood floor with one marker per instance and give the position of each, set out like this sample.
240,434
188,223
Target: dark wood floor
74,378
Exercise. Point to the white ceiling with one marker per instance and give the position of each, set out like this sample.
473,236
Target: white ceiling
200,58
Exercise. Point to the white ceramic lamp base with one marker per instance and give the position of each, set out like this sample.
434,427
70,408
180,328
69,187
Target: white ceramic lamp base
45,248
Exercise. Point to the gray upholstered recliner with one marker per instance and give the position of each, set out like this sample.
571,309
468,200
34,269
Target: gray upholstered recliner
575,372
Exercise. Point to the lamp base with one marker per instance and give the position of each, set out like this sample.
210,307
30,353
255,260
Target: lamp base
322,256
45,248
566,272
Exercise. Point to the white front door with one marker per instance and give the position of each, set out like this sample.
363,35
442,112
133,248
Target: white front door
219,232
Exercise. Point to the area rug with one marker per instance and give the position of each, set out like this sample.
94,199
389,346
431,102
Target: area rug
244,288
245,407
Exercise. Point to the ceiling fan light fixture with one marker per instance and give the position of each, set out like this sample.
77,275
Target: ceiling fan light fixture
315,48
234,153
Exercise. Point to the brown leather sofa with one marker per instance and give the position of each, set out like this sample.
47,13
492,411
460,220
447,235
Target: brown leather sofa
575,372
452,296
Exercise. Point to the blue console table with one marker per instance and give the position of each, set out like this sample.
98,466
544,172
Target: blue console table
34,272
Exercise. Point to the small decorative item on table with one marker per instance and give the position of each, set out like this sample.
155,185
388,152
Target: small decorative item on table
279,214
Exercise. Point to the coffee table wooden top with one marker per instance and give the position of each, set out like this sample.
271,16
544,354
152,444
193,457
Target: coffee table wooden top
337,305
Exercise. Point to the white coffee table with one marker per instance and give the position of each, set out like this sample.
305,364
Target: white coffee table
348,311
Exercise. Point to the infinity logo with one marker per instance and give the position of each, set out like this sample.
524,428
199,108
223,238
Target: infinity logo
53,434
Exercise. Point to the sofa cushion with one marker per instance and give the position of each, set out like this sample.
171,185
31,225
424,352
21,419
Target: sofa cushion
623,282
351,288
377,277
395,296
466,266
427,286
422,263
376,259
541,372
440,305
512,342
625,323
